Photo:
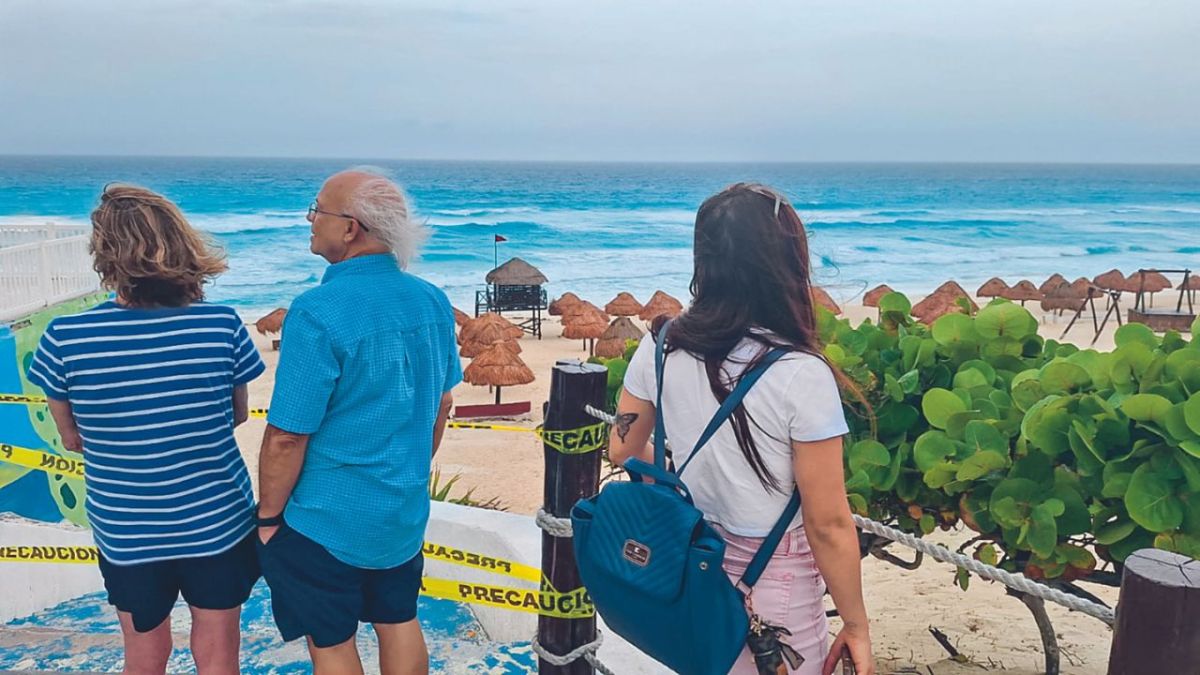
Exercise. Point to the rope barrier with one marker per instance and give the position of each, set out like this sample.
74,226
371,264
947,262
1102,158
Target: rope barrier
1018,582
586,652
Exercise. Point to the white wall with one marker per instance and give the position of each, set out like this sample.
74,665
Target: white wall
32,587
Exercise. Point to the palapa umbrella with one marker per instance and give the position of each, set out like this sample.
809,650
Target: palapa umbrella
559,305
820,298
460,317
573,312
612,341
1084,288
1111,280
486,336
587,325
871,298
1190,286
1066,297
1022,291
931,308
271,323
623,305
1052,283
1148,281
467,334
943,300
497,366
660,303
992,288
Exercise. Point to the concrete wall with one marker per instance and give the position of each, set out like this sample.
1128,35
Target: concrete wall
30,587
517,538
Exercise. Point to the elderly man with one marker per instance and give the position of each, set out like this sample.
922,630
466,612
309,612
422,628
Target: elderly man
361,399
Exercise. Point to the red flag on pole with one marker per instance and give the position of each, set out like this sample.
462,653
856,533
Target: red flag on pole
500,238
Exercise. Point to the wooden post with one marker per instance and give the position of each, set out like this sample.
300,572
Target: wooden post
1157,630
569,478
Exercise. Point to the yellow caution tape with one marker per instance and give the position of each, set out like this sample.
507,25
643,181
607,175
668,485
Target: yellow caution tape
258,412
576,441
494,427
41,461
576,604
49,554
478,561
18,398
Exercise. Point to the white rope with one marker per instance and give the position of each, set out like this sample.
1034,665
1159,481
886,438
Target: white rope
1015,581
600,415
556,527
586,652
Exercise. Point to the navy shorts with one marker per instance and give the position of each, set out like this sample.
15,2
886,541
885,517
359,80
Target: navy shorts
316,595
148,591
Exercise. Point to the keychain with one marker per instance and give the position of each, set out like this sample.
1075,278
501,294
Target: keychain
772,656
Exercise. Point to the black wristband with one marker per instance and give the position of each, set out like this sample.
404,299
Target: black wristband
273,521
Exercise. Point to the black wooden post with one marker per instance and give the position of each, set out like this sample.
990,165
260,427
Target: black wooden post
570,476
1157,629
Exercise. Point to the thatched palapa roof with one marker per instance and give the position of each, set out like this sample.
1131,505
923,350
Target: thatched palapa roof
1021,291
516,272
660,303
583,308
871,298
612,341
1149,281
1052,283
623,305
271,323
497,366
1067,296
821,298
486,336
468,332
1111,280
559,305
1192,283
944,300
589,324
992,288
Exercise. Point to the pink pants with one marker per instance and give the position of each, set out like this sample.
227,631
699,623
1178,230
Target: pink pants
788,594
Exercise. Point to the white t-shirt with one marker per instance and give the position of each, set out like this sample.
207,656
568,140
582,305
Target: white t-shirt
796,399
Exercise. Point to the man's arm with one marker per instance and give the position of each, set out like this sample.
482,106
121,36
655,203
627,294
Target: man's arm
279,463
439,427
241,404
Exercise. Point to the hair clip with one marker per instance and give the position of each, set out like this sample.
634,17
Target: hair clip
777,203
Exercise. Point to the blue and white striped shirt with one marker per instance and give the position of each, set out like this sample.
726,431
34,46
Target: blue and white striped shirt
152,395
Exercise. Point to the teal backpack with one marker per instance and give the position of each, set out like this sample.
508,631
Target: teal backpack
653,566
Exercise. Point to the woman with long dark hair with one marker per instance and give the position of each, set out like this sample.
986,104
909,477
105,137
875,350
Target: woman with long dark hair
751,294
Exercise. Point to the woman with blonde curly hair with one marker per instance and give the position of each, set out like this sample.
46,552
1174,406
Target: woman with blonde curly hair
149,387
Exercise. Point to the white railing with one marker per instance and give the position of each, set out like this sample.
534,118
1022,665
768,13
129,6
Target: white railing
41,265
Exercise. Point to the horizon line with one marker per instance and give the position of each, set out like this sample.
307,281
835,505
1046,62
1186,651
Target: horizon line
331,158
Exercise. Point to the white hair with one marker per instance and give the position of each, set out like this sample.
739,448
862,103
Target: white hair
382,205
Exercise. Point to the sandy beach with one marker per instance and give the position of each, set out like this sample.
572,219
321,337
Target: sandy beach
993,632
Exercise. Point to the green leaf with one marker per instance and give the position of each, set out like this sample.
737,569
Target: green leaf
1063,377
1146,407
980,435
872,458
932,447
939,404
1151,501
1191,413
1110,533
987,554
1012,501
952,329
927,523
1004,320
962,577
1027,393
910,381
1135,332
941,474
895,302
1043,530
858,482
970,377
980,464
858,503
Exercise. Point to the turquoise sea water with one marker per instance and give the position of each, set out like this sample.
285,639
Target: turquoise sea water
597,229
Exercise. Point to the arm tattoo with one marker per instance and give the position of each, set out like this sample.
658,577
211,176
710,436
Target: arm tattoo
624,421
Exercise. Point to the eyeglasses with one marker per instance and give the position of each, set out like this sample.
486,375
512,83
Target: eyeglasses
313,210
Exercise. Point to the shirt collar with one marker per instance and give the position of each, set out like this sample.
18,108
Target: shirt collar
363,264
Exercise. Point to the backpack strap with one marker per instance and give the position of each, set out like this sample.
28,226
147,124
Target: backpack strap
763,556
660,429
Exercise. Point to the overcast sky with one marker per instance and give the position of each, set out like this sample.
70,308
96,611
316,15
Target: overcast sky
788,80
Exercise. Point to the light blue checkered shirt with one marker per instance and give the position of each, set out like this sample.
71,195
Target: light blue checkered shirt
365,359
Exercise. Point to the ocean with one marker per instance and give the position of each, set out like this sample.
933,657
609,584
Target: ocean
597,229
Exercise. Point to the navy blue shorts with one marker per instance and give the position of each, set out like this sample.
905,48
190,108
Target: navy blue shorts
316,595
148,591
